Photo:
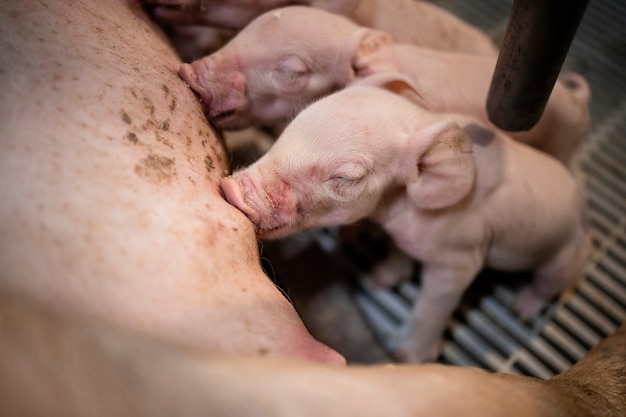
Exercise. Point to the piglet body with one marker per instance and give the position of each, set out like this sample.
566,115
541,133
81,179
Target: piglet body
423,23
287,58
452,193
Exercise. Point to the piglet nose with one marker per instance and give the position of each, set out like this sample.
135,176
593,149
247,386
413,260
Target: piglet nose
189,74
232,191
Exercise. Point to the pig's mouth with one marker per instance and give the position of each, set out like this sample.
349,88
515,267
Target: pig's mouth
224,116
177,5
272,232
229,118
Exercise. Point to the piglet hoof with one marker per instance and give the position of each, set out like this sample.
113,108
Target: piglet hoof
384,277
393,270
528,304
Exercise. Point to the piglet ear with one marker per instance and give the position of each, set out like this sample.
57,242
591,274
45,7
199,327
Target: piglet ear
444,166
368,51
397,83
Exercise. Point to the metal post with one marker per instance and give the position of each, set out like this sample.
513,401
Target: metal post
537,39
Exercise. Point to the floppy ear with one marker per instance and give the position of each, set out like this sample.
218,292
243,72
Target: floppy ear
444,166
396,83
367,51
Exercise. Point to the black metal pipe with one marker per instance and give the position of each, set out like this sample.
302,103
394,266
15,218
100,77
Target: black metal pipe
538,36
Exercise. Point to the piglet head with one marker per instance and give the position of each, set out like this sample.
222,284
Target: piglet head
281,62
301,183
347,157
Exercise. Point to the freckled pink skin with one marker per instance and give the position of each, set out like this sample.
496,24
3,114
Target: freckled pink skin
288,58
455,203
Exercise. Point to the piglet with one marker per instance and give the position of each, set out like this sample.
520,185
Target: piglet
452,193
287,58
421,23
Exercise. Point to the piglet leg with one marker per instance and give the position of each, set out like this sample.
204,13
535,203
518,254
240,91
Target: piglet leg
553,277
440,294
394,269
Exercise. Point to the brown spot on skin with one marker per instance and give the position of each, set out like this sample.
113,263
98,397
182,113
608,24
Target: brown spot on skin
208,163
149,124
173,104
131,137
165,89
165,125
162,140
149,105
126,118
156,168
263,351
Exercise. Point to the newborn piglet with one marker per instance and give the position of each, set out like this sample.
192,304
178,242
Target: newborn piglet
452,193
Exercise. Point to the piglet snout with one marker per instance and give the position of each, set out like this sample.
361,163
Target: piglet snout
234,194
270,207
189,74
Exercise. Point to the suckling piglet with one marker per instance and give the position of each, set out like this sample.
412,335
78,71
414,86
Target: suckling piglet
420,22
289,57
452,193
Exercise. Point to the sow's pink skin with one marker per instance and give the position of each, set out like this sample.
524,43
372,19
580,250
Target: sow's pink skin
452,193
290,57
